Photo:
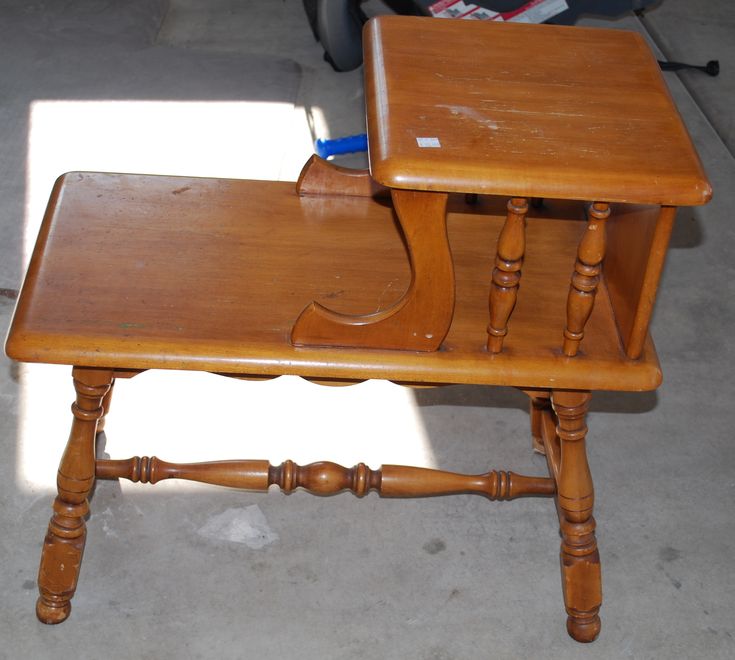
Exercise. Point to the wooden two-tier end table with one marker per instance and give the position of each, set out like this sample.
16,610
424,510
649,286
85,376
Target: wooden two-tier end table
511,231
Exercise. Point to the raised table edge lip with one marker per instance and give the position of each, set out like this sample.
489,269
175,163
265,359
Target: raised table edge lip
362,364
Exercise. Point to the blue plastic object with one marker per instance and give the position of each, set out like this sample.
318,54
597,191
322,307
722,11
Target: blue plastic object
344,145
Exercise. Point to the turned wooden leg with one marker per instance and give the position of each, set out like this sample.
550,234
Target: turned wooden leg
580,560
64,543
105,408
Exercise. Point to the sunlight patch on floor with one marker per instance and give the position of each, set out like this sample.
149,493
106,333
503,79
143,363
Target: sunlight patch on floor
198,416
226,139
193,416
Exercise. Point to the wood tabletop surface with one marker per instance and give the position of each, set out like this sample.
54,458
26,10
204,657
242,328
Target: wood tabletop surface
524,110
138,272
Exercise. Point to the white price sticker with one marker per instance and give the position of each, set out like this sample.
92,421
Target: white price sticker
430,142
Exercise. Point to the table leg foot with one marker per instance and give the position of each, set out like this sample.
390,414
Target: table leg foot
580,569
51,609
63,547
50,612
58,574
583,629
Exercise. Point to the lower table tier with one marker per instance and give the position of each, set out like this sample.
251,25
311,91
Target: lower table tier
138,272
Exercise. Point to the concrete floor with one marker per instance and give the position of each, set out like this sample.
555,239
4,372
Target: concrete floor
196,572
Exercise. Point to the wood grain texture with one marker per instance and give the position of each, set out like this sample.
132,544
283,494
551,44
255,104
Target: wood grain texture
521,117
638,239
586,277
106,403
540,403
326,478
420,320
322,177
580,559
507,272
236,261
137,272
550,440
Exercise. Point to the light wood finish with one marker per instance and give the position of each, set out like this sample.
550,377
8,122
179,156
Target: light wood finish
64,544
580,560
137,272
586,277
550,440
420,320
106,403
563,432
507,272
321,177
325,478
255,243
263,252
637,239
525,111
540,403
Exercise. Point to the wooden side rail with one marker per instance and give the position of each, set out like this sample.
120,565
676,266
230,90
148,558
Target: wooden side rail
325,478
638,239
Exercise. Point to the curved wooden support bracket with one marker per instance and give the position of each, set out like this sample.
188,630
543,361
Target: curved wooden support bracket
320,177
325,478
420,320
585,278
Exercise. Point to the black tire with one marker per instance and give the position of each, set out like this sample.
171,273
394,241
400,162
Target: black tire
339,28
310,9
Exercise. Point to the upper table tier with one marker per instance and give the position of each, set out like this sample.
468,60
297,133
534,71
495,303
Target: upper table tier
524,110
